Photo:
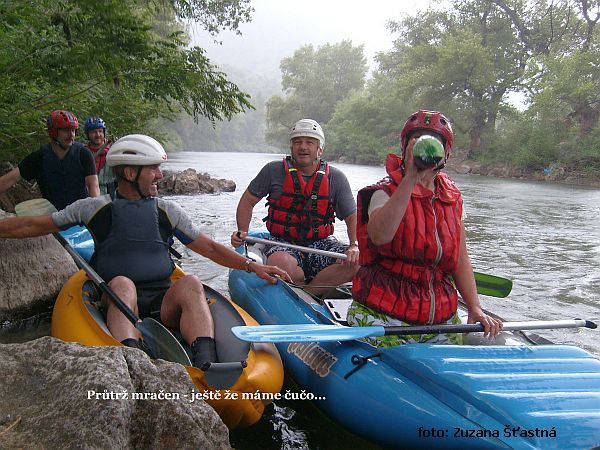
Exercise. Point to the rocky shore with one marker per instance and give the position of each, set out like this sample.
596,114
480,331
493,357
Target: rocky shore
187,182
65,395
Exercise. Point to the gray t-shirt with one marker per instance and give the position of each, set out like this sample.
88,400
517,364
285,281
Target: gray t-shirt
269,181
83,211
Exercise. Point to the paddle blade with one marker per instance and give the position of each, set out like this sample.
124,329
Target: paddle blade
303,333
162,343
34,207
492,285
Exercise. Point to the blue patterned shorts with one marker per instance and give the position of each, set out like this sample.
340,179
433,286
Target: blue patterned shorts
311,263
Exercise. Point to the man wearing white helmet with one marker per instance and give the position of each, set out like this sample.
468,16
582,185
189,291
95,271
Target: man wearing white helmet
132,232
304,196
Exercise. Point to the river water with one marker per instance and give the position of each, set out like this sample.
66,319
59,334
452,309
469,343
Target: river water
544,237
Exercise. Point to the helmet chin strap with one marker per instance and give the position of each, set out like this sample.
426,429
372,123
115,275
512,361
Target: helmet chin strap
56,141
135,183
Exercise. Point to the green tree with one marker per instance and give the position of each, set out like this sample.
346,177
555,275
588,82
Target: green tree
314,81
366,125
125,60
242,133
569,85
466,59
463,61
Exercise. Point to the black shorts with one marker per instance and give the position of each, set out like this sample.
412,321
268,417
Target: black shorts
150,297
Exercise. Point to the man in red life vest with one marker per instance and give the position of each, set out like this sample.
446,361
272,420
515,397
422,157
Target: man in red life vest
305,194
413,244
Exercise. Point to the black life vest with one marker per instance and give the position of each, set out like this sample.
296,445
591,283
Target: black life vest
134,247
62,181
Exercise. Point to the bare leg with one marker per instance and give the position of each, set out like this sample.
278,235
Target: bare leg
288,263
331,276
120,327
184,307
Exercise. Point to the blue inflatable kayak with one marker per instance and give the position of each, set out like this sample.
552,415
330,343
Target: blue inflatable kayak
81,240
513,394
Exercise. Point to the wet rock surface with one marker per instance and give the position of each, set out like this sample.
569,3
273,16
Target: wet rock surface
64,395
32,273
190,182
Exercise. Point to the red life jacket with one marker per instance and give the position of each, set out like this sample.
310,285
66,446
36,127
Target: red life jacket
410,277
100,155
303,212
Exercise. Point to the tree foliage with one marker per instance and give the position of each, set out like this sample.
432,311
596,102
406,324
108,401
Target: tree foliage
125,60
242,133
314,81
467,59
366,125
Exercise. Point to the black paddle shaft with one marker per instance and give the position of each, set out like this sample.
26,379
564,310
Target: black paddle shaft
429,329
462,328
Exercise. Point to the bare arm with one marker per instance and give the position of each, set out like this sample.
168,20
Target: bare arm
352,251
225,256
91,182
351,227
23,227
384,221
9,179
243,216
465,283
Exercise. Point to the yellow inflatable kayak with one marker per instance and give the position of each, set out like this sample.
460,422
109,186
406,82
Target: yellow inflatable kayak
251,373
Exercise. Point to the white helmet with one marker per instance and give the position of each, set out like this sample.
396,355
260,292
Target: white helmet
310,128
136,150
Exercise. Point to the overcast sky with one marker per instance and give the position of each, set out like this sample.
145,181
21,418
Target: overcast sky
279,27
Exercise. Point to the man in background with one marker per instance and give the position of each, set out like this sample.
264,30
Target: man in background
63,169
96,133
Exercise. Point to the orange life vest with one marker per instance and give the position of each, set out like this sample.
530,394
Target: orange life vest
410,277
303,212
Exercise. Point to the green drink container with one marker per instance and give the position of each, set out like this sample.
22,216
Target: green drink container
428,152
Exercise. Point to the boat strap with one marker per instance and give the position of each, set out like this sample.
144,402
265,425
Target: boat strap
360,361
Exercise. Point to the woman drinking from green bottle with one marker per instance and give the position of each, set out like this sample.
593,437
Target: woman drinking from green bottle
412,241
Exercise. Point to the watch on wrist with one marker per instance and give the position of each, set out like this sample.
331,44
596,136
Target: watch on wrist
247,264
355,243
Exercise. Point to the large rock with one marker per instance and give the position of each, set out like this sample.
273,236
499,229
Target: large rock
32,272
23,190
57,395
190,182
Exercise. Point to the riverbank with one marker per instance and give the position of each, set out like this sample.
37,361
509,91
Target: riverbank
460,164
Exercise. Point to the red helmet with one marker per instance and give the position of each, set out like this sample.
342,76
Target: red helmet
59,118
428,120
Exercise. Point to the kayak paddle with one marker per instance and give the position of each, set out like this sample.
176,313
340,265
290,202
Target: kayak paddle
491,285
159,339
326,333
